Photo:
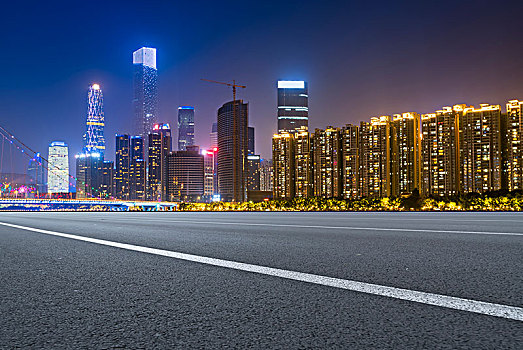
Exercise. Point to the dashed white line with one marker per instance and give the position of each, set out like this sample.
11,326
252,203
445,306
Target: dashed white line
479,307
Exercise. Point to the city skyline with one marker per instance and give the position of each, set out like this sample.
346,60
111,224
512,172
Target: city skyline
386,69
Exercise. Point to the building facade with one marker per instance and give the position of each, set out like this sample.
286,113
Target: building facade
185,127
233,151
283,165
159,147
293,105
185,175
89,175
480,148
350,148
145,90
94,140
514,145
137,169
58,168
122,160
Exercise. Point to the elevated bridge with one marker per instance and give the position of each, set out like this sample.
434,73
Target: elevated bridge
8,204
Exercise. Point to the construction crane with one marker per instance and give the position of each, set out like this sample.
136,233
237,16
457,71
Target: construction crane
239,192
233,85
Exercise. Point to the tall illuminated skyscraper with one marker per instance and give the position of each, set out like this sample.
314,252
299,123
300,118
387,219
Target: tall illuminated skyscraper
185,127
159,147
145,99
514,146
121,176
94,141
480,148
293,105
136,169
58,170
232,151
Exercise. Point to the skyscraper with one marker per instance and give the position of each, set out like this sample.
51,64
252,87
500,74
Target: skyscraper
480,145
210,176
515,144
253,172
232,151
440,151
88,175
376,149
136,169
266,175
107,179
185,127
303,179
293,105
350,145
35,174
94,140
327,162
159,146
185,174
407,127
145,99
250,143
213,136
283,161
121,176
58,171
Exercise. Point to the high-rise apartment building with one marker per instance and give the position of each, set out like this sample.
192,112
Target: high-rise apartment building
293,105
185,175
283,165
94,140
232,151
185,127
407,128
327,162
303,174
480,144
266,175
159,147
58,169
121,176
514,145
376,160
145,90
441,151
136,169
350,147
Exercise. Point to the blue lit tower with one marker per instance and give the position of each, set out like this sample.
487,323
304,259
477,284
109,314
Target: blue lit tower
145,99
293,105
185,127
94,141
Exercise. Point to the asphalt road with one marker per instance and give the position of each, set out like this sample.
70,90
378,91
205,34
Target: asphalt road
61,292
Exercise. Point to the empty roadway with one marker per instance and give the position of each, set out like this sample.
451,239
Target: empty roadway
66,293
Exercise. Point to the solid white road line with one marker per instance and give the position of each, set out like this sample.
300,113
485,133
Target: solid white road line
480,307
322,227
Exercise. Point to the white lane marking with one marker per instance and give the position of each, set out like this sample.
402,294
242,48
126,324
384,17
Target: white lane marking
323,227
479,307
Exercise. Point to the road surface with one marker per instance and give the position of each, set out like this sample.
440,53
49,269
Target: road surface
261,280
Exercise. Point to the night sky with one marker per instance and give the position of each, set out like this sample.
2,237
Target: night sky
360,58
